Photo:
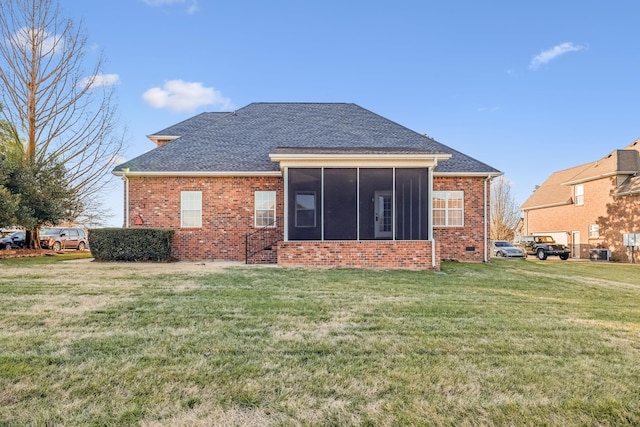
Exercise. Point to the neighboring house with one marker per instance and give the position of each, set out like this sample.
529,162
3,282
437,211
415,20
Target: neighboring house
590,206
323,184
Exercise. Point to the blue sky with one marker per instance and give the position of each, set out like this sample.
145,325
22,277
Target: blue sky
526,87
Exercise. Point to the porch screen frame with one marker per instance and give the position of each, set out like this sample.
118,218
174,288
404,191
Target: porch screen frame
363,190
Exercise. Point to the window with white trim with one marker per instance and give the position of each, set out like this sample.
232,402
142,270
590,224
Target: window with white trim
579,194
265,209
448,208
594,231
305,214
191,209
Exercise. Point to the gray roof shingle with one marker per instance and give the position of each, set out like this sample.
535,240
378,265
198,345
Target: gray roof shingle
241,141
190,125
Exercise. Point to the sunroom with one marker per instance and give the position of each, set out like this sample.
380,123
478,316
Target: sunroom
353,207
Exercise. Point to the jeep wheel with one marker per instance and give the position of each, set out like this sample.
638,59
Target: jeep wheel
541,254
56,247
564,257
81,246
7,246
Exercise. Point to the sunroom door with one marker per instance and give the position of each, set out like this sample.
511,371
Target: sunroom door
383,211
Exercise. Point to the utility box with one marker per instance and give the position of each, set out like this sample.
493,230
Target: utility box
599,254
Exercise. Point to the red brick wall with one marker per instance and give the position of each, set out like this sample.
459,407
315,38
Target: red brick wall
405,254
228,215
464,243
227,212
569,218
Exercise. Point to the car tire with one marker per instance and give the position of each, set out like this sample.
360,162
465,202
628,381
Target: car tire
7,246
56,247
541,254
81,246
564,257
499,254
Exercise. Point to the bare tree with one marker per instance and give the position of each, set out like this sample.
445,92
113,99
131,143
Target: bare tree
62,112
505,213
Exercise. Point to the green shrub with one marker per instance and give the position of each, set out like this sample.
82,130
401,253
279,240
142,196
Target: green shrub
130,244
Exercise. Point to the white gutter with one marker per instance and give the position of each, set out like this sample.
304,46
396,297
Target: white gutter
468,174
200,174
594,177
626,193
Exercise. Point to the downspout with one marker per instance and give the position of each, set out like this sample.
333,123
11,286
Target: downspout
126,197
430,219
486,220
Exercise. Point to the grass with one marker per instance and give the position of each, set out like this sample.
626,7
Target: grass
505,343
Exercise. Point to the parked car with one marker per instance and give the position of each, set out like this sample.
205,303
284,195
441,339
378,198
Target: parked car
58,238
13,241
543,246
503,248
6,232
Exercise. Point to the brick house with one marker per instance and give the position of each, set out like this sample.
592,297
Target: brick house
590,206
323,184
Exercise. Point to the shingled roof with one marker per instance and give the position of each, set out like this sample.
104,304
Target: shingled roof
558,190
241,141
552,192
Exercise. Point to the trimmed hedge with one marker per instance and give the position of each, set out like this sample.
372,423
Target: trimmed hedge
130,244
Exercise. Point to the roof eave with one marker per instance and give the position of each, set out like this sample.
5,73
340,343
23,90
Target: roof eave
593,178
199,174
626,193
469,174
549,205
358,159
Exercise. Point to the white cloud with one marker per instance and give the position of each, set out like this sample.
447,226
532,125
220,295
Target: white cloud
484,109
25,38
192,5
100,80
554,52
181,96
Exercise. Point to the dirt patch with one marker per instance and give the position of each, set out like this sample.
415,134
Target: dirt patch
159,267
22,253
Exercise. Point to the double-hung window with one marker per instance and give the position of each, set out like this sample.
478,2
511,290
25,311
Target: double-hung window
448,208
579,194
191,209
265,208
594,231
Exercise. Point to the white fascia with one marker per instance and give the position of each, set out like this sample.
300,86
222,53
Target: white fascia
197,174
301,160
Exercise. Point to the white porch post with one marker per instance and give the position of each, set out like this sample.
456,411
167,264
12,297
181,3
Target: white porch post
285,212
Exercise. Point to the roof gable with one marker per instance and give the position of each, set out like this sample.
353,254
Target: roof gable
615,163
552,192
242,141
558,188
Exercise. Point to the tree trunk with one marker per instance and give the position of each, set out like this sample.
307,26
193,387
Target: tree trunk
32,239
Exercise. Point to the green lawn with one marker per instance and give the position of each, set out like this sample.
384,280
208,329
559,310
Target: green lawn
507,343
